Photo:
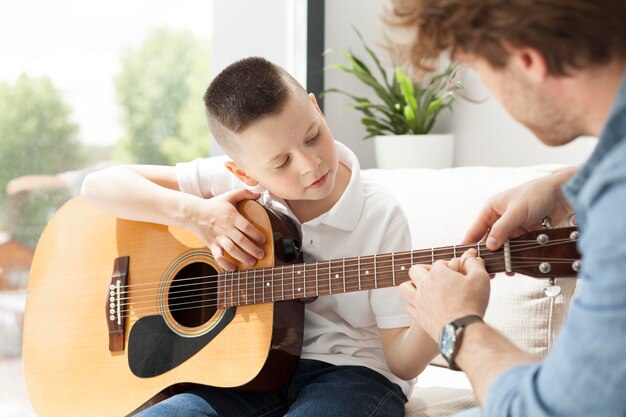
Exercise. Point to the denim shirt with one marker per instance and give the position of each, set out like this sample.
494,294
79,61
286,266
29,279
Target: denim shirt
585,372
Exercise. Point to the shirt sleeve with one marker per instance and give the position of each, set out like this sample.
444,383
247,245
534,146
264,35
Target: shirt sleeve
207,177
585,372
387,305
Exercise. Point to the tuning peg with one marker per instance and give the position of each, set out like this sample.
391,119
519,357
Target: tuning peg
572,220
546,223
553,290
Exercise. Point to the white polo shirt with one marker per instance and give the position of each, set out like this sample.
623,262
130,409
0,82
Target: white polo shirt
339,329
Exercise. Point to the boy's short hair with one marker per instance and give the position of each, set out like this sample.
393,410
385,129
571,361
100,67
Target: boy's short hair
571,34
243,93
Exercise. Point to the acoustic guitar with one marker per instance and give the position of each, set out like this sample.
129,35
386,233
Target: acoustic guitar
119,313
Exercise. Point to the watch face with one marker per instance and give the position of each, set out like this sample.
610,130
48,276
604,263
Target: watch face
447,340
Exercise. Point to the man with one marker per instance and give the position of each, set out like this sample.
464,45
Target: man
559,68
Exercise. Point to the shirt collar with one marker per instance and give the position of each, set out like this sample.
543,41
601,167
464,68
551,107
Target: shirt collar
612,134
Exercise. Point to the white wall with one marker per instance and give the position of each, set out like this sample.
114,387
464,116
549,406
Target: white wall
485,134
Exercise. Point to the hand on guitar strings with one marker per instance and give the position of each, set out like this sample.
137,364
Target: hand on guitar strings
446,290
218,224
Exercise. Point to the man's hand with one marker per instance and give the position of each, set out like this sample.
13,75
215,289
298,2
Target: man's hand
447,290
218,224
520,209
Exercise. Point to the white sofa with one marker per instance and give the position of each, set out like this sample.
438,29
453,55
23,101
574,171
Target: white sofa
440,205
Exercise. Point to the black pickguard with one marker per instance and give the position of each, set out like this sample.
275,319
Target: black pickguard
154,349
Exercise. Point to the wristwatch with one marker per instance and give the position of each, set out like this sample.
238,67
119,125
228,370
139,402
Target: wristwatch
450,338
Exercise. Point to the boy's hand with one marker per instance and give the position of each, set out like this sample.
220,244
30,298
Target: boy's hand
221,227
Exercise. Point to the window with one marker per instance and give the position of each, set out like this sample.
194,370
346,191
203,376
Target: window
84,85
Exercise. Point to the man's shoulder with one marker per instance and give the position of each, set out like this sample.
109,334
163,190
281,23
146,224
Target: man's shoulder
611,167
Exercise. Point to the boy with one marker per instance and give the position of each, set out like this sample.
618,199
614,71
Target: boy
359,349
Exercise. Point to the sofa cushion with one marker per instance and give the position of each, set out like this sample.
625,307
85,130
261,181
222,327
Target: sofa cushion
439,402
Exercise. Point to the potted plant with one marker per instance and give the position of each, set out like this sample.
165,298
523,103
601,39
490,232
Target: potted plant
401,121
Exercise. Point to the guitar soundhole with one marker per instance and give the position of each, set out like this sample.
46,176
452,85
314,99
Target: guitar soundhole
192,295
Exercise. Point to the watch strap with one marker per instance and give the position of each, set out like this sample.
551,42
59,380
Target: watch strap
459,324
465,320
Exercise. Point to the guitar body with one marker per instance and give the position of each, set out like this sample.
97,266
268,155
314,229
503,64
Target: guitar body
75,366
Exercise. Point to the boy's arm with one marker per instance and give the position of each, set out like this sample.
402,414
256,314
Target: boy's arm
408,350
151,194
136,192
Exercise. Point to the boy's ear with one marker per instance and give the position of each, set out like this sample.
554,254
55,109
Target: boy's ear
239,172
314,101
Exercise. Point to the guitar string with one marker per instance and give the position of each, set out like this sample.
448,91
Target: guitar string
291,270
189,304
285,290
290,291
280,282
425,254
288,281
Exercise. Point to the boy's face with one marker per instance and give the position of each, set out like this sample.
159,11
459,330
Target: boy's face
292,154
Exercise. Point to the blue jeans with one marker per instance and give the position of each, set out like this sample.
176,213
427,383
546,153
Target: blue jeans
317,389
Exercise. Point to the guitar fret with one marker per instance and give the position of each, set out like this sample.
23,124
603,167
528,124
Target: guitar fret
254,287
293,281
454,250
330,284
282,282
344,274
393,268
432,252
375,275
358,267
317,283
304,284
271,284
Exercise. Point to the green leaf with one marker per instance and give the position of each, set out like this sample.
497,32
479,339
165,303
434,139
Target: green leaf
402,105
372,55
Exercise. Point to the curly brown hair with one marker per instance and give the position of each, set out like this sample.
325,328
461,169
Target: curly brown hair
571,34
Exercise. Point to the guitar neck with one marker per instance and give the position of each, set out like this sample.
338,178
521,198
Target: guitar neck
541,254
312,279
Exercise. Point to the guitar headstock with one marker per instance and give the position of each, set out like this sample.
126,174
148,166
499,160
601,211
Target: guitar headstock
549,253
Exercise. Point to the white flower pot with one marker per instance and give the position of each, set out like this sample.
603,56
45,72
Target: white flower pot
414,151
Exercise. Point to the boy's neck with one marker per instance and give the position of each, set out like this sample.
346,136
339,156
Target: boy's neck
306,210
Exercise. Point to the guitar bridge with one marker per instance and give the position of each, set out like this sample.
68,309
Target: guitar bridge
114,304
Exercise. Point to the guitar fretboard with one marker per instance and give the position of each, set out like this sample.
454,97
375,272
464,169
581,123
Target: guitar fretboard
312,279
